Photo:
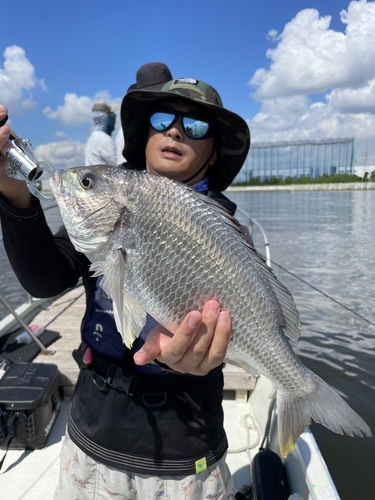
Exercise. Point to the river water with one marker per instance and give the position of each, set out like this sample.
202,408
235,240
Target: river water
326,239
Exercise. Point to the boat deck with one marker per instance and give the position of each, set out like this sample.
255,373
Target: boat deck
64,316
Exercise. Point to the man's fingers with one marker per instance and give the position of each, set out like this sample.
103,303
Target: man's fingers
168,348
198,345
220,340
176,348
202,339
208,347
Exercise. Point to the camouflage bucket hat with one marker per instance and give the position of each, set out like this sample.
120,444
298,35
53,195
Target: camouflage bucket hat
234,140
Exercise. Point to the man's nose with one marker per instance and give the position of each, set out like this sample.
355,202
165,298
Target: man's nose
176,131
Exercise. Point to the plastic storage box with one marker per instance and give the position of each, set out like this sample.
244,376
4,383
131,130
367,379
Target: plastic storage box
29,404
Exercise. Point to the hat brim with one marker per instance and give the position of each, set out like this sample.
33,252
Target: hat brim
234,132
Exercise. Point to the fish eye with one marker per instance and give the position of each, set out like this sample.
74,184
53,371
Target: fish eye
88,181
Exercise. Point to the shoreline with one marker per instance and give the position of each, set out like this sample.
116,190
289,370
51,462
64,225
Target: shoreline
333,186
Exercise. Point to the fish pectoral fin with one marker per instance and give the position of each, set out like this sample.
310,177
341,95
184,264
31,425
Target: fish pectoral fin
130,319
130,316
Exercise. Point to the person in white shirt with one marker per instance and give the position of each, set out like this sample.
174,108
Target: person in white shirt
151,75
101,148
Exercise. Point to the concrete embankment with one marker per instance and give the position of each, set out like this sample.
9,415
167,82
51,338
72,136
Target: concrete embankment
334,186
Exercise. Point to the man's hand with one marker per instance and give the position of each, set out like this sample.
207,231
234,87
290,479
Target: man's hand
198,345
14,191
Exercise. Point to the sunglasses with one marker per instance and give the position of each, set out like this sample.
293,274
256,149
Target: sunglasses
195,124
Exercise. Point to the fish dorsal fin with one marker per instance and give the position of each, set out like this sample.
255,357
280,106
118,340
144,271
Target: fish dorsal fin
288,312
130,315
291,325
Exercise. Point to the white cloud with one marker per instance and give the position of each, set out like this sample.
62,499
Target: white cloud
357,100
63,154
61,135
320,82
311,58
76,110
17,80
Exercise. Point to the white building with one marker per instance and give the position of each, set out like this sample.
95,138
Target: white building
361,169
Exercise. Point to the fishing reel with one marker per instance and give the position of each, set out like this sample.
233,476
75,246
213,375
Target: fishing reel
24,166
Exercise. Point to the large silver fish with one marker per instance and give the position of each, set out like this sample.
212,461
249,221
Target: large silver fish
165,249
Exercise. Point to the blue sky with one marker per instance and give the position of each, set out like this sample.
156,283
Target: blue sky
294,70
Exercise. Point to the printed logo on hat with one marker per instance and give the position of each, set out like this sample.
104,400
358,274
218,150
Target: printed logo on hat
190,81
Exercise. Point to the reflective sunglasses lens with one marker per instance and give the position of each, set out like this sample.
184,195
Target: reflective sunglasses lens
195,128
161,120
195,125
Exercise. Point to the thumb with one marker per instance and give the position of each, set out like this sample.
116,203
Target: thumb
152,347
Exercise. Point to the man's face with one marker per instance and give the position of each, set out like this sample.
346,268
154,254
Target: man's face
173,154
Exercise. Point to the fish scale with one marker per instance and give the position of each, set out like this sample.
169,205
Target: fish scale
164,249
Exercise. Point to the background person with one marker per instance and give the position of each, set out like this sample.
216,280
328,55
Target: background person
101,148
123,443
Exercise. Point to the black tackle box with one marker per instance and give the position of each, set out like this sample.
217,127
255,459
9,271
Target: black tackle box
29,404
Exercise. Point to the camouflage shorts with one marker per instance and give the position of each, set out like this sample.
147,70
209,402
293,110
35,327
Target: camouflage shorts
82,478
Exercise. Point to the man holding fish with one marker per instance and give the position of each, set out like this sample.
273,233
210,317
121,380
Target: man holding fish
146,419
141,438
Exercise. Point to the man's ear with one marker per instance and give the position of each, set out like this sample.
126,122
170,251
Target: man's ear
213,159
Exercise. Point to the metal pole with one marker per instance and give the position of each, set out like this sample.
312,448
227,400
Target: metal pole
352,157
298,161
26,327
252,222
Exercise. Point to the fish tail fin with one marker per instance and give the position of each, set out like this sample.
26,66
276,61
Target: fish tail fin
319,403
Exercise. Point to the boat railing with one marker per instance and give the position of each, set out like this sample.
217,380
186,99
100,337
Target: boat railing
251,222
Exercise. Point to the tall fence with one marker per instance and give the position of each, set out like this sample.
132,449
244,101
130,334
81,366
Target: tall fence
298,159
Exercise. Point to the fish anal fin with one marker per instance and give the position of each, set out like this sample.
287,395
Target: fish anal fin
250,369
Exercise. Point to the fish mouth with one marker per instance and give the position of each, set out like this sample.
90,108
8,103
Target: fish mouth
56,184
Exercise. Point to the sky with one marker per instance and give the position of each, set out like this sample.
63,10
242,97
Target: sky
293,70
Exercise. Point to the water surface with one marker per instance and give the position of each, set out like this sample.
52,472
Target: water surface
328,240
